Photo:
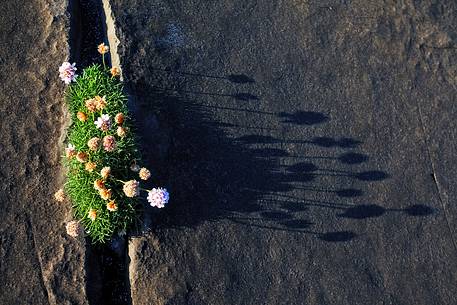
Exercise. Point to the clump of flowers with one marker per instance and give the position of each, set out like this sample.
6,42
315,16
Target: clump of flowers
102,155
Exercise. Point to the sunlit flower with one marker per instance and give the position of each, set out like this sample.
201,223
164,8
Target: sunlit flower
115,71
91,105
60,195
102,48
103,122
92,214
109,143
94,143
100,102
158,197
82,157
105,172
74,229
134,167
90,166
67,72
121,131
111,206
99,184
119,118
105,194
144,173
70,151
81,116
131,188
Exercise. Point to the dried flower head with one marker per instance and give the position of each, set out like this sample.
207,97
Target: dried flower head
99,184
102,48
92,214
144,173
105,194
74,229
109,143
103,122
111,206
119,118
94,143
91,105
90,166
115,71
70,151
131,188
121,131
105,172
158,197
82,157
67,72
100,102
60,195
81,116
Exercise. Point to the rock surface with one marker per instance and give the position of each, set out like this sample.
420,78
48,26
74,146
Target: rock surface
309,148
39,263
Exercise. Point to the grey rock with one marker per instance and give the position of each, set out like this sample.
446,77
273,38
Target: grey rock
258,101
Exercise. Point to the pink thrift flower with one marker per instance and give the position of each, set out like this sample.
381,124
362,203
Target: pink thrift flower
158,197
103,122
109,143
67,72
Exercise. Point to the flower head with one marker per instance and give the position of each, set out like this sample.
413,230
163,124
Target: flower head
119,118
144,173
100,102
105,172
105,194
158,197
115,71
91,105
134,167
60,195
92,214
94,143
74,229
67,72
103,122
70,151
131,188
90,166
81,116
121,131
82,157
99,184
111,206
109,143
102,48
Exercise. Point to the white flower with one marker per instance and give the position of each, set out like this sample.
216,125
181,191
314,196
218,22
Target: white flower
131,188
67,72
103,122
158,197
70,151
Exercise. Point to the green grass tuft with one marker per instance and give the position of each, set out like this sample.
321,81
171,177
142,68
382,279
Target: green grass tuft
95,80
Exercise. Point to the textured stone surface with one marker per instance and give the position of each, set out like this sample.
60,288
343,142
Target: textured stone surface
309,147
39,263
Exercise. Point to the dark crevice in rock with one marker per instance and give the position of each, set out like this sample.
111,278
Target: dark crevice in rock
107,280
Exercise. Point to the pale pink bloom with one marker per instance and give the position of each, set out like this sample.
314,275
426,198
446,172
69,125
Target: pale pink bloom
67,72
105,172
144,173
158,197
131,188
60,195
70,151
121,131
94,143
109,143
103,122
74,229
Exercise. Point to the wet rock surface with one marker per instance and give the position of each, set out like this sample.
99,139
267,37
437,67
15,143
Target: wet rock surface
309,148
39,263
